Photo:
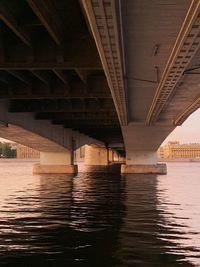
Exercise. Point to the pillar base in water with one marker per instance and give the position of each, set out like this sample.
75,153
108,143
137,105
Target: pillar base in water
113,168
148,169
51,169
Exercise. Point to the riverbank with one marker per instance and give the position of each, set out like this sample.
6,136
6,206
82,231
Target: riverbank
179,160
3,160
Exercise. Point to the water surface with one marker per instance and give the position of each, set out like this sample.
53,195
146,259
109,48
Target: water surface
99,219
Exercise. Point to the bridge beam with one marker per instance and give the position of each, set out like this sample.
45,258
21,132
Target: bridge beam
55,162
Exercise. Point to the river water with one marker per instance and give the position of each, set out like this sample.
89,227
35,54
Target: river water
99,219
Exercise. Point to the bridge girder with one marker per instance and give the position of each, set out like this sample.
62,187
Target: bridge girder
49,63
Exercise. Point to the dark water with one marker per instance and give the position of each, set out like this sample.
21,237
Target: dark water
99,219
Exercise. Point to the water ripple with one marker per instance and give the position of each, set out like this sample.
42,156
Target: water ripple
99,219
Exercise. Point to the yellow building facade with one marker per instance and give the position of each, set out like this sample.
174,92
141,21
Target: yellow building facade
175,150
24,152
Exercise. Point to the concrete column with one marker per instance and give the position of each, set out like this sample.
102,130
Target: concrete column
141,157
96,156
55,162
110,155
141,144
142,162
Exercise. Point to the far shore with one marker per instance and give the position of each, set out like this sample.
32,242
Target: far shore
21,160
81,162
179,160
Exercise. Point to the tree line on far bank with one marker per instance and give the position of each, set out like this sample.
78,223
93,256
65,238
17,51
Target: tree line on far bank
6,151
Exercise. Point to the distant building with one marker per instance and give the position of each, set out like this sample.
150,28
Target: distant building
26,152
175,150
160,153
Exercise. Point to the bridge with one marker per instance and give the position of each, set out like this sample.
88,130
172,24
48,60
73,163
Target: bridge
119,74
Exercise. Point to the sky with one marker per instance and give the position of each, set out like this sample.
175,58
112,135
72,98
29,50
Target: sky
189,132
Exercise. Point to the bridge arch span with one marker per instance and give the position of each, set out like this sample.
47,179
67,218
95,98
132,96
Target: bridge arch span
39,134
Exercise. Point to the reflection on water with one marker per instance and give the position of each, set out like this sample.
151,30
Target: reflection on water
179,203
99,219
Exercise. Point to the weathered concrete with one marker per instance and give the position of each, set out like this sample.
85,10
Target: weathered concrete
141,157
96,156
139,137
141,144
49,158
54,162
41,135
42,169
146,169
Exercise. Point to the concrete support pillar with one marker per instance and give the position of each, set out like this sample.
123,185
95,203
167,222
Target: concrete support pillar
141,157
96,156
110,155
141,144
55,162
142,162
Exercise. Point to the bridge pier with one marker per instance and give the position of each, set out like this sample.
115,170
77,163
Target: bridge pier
96,158
143,162
141,143
55,162
96,155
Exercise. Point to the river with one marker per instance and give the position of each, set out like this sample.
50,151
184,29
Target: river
99,219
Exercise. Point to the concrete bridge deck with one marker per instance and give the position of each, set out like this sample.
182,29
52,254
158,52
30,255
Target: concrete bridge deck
119,73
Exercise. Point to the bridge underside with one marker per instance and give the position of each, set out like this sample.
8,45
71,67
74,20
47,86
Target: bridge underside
161,47
50,68
122,73
156,74
54,95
